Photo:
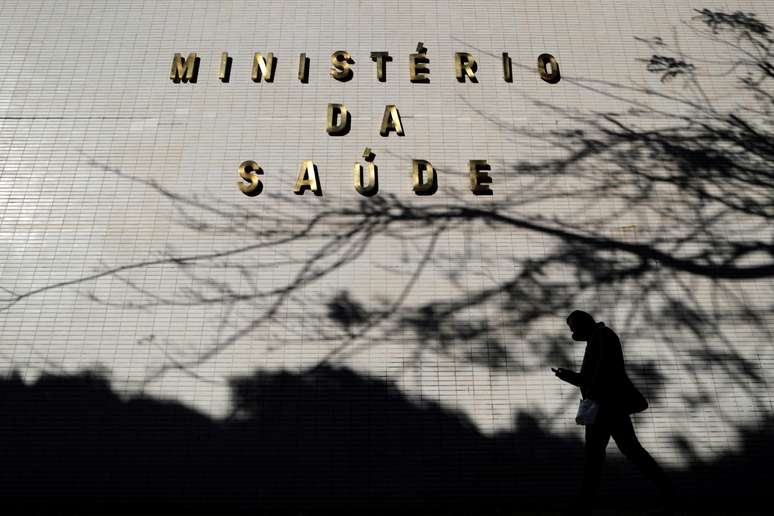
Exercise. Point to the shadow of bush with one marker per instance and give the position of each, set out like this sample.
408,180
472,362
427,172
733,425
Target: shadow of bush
328,439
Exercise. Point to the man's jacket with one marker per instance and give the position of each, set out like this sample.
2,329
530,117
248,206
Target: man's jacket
603,376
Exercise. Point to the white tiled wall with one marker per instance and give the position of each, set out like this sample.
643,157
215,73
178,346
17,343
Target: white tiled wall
111,174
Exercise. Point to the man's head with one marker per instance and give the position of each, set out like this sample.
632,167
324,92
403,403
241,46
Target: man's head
581,324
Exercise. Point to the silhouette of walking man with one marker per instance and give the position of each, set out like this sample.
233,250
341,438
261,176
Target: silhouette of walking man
603,378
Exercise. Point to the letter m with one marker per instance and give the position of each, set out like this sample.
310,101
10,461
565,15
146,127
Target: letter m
184,69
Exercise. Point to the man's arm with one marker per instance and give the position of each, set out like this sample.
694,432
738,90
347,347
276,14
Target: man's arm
608,365
568,376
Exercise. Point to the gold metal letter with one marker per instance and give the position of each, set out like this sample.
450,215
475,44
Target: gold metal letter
307,179
418,68
185,70
340,69
303,68
423,174
478,177
225,67
548,68
507,67
266,67
249,171
465,66
391,121
372,186
381,59
339,120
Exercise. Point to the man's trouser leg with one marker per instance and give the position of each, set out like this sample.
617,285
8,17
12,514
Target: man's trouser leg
597,437
623,433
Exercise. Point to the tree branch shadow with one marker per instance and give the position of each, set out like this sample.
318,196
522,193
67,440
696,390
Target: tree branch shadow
675,225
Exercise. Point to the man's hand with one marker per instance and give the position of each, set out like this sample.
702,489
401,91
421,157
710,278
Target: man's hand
566,375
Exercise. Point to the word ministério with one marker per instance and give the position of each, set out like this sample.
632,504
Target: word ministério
186,69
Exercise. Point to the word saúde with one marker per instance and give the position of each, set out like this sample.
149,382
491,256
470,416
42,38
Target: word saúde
365,179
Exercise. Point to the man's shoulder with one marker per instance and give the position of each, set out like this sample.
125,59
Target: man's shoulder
604,334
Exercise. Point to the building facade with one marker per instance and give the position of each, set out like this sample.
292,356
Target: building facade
400,336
